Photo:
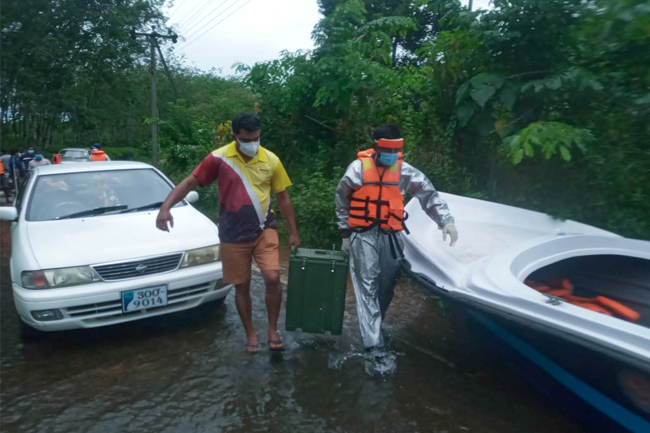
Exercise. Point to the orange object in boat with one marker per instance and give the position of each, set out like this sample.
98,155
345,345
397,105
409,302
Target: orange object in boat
610,305
559,293
593,307
537,286
575,298
564,283
600,304
619,309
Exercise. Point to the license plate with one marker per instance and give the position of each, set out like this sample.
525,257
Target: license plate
141,299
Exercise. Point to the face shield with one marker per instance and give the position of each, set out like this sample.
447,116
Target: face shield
388,150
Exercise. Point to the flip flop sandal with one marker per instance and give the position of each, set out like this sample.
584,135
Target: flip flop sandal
252,346
276,343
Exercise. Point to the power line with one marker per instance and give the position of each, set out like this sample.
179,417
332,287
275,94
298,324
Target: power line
197,31
194,32
196,14
201,18
177,8
198,37
208,14
191,12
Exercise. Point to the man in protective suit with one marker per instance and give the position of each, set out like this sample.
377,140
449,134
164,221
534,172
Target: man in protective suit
370,211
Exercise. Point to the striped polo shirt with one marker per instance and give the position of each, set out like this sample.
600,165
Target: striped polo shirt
244,190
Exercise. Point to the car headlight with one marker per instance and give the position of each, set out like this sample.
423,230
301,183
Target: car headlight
200,256
63,277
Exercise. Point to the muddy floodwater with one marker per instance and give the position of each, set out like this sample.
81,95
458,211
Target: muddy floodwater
188,372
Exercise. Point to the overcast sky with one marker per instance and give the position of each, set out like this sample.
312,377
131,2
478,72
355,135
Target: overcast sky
220,33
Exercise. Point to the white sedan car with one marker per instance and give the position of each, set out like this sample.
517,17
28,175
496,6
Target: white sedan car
74,155
86,251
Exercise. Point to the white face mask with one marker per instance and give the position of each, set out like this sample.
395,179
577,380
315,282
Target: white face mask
250,148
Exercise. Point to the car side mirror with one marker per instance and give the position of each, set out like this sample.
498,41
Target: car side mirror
192,197
10,213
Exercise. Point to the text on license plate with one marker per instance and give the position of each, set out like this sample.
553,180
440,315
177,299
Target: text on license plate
141,299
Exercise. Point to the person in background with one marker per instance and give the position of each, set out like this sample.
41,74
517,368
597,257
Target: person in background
6,159
27,157
9,179
4,183
246,174
97,154
16,168
38,161
370,212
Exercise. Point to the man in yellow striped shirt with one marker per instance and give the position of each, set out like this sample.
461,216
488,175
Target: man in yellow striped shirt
246,174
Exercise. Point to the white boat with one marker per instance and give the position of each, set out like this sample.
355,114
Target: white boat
595,366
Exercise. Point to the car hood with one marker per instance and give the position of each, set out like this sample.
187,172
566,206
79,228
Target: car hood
109,238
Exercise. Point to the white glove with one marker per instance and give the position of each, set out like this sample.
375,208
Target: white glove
345,245
450,229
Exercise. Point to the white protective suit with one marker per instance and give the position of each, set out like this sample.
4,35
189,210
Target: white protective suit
374,265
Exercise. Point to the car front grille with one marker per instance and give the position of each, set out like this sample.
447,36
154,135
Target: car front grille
107,311
139,268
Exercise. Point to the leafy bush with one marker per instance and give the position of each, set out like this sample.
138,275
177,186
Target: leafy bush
126,154
313,199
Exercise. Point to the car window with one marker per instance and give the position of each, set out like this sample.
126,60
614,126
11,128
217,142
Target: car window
60,195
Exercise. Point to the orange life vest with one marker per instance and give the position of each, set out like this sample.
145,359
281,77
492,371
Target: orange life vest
56,159
2,167
600,304
379,200
98,155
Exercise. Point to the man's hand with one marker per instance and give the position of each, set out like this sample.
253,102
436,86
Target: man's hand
284,202
294,240
345,245
179,193
164,217
450,229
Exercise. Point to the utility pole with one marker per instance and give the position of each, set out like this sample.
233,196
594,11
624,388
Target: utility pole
470,5
153,41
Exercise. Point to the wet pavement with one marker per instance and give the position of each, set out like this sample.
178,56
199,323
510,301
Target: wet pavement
189,372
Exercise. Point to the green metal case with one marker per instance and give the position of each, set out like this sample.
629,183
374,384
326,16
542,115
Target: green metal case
316,290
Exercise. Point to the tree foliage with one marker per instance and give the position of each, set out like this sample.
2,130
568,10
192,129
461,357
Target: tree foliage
61,64
72,76
537,103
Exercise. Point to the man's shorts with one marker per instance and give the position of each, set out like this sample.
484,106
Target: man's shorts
237,258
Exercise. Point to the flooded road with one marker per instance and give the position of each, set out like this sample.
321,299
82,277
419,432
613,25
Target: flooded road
189,373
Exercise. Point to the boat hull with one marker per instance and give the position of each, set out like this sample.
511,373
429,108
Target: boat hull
600,388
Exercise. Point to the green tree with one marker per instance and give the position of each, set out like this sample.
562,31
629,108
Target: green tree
62,62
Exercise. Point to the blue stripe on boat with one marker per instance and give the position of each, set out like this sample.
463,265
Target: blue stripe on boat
600,401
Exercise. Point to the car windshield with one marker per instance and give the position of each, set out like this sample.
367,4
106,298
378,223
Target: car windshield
64,195
73,155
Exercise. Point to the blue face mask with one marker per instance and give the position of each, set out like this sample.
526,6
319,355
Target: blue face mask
388,159
38,157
